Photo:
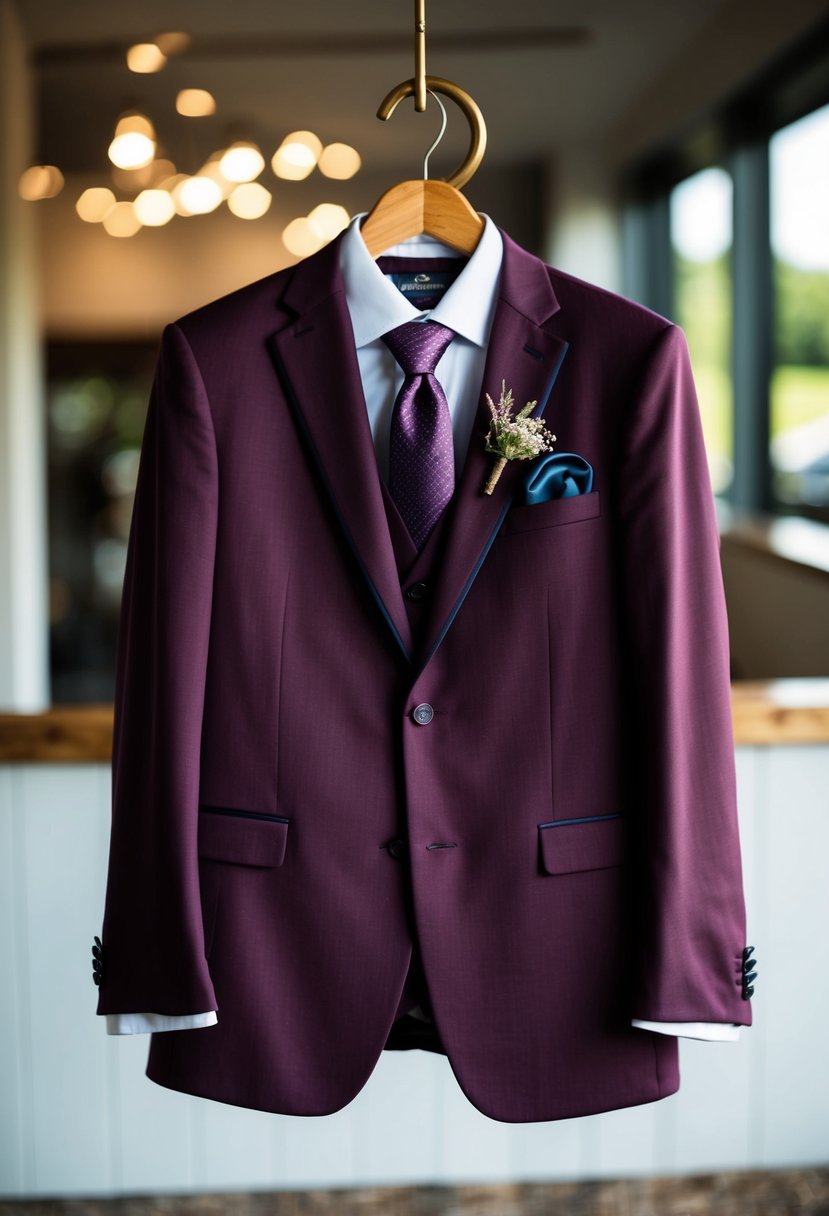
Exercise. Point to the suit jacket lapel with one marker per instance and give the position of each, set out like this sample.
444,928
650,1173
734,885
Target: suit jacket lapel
316,360
527,355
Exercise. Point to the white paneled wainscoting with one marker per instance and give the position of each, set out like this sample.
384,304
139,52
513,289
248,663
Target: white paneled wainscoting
79,1117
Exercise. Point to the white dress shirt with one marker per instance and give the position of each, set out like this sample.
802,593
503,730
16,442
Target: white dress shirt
375,306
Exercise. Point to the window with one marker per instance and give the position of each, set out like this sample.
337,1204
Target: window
799,440
97,397
700,225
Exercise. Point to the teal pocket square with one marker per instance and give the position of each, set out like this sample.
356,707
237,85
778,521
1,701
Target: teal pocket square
558,475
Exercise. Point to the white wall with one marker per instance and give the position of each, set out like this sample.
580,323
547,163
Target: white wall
79,1117
584,221
24,638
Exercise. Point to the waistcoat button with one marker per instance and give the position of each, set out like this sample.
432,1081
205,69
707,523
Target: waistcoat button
423,714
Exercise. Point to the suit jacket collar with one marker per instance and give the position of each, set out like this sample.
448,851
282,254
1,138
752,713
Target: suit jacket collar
376,305
315,357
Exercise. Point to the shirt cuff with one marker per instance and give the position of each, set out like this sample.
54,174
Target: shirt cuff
151,1023
714,1032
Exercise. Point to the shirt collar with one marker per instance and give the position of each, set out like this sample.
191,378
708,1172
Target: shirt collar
376,306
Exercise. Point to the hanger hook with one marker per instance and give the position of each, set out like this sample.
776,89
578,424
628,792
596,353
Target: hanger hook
440,135
470,109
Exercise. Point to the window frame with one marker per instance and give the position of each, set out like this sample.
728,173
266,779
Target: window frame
735,136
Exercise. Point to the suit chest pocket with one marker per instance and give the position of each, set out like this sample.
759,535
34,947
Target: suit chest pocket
552,513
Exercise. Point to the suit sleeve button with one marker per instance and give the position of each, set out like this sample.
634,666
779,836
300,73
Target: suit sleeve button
423,714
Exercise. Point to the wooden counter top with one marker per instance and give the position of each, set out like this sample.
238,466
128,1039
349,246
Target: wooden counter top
765,712
780,711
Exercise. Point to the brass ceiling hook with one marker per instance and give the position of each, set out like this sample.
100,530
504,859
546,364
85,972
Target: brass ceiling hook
470,109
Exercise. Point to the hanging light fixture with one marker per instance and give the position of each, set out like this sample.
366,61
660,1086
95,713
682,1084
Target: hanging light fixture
212,168
133,145
154,208
327,219
195,103
145,57
297,155
339,161
94,203
300,238
249,201
197,195
121,220
40,181
242,161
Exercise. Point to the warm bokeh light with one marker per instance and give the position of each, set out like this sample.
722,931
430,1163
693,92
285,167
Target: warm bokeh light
250,201
173,43
94,203
242,161
171,184
339,161
132,120
195,103
328,219
121,220
301,148
289,172
197,195
212,168
300,238
154,208
131,151
134,142
145,57
40,181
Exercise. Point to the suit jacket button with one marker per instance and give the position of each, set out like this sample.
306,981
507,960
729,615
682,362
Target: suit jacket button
396,847
97,962
417,592
423,714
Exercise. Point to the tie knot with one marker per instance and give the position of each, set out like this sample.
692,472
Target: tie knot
418,345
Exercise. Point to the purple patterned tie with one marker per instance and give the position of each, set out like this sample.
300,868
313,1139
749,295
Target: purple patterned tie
421,453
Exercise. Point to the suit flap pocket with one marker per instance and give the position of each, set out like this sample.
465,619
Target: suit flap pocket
593,843
246,838
523,517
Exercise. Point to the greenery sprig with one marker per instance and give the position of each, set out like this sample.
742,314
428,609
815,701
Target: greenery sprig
513,436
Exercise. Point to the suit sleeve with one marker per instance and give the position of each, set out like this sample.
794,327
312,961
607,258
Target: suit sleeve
689,895
152,938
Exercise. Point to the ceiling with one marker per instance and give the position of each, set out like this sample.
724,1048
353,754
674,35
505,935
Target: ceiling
545,75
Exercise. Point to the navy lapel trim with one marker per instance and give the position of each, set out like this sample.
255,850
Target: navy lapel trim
302,422
496,526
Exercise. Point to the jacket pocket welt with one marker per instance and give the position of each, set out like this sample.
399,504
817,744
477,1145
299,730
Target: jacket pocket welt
593,843
529,516
244,838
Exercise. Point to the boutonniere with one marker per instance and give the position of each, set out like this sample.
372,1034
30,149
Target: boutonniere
513,436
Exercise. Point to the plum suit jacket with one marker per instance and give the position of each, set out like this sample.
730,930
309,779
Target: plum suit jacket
569,806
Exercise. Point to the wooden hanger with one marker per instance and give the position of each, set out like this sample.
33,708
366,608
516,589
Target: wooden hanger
437,208
411,208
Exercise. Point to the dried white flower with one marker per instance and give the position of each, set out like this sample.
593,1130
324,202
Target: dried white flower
513,436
